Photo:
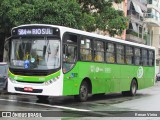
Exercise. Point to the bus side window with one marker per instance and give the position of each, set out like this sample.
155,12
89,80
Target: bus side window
69,51
85,49
120,53
151,58
144,57
137,56
98,51
110,53
129,55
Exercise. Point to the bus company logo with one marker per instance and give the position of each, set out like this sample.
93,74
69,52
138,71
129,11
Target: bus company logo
92,68
97,69
140,72
108,70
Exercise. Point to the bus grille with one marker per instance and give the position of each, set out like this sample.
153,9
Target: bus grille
29,82
30,72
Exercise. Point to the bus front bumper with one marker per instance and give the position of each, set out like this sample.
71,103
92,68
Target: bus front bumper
54,89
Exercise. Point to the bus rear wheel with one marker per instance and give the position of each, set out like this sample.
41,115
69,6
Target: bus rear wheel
42,97
83,92
133,89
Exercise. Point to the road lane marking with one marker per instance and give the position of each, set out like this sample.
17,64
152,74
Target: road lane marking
90,112
47,105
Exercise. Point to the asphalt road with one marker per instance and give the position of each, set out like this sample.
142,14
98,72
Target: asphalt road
111,106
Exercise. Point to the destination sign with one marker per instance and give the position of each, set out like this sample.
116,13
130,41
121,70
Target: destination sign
35,31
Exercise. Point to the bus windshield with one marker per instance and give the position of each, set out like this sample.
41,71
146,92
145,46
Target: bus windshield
35,53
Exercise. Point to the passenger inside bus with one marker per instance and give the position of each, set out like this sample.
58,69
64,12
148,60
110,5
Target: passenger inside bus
98,51
85,51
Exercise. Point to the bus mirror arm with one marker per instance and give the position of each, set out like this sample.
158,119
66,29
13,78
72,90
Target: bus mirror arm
6,44
44,50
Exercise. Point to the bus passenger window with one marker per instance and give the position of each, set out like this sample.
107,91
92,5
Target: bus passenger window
144,57
129,55
137,56
151,58
120,53
69,52
110,53
85,50
70,55
98,51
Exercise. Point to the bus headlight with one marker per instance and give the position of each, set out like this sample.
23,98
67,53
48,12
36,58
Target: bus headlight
51,81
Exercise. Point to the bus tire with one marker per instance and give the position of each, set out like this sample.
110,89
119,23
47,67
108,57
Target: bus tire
42,97
83,92
133,88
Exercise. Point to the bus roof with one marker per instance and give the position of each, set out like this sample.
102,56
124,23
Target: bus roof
76,31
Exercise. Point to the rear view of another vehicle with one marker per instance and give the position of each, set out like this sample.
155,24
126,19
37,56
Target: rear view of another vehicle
3,75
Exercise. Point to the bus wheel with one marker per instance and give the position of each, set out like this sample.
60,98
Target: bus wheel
133,88
42,97
83,92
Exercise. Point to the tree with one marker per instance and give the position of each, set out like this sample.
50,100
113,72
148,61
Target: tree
86,15
62,12
81,14
106,17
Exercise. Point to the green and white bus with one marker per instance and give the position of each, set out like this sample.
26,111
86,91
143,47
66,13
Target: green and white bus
50,60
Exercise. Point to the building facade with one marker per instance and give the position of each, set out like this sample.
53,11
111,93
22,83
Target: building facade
118,6
152,18
144,23
137,29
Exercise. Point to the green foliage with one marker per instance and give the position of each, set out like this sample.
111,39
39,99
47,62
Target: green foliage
118,1
62,12
80,14
106,17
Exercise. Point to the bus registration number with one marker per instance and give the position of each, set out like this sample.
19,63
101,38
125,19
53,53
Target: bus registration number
29,89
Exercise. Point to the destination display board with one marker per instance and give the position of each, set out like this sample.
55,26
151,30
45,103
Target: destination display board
36,31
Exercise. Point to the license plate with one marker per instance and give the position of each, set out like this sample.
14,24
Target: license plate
29,89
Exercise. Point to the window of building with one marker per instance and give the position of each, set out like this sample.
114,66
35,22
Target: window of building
98,51
130,26
110,53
